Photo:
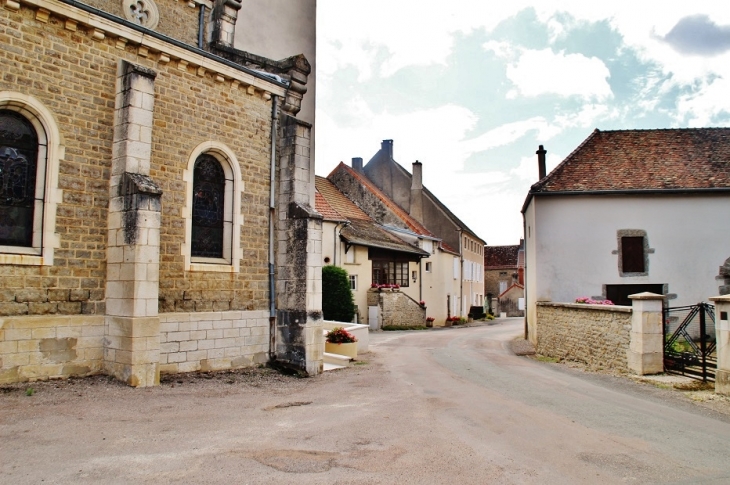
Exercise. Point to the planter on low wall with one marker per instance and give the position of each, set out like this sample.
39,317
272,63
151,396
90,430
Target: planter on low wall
348,350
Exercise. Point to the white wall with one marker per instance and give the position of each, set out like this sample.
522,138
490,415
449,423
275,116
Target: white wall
570,251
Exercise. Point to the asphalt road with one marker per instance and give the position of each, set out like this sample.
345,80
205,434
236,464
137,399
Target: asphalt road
443,406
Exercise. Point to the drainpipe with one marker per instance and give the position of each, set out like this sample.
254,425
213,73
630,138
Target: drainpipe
461,276
201,25
524,273
272,219
420,279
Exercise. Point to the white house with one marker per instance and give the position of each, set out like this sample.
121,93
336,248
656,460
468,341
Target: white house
631,211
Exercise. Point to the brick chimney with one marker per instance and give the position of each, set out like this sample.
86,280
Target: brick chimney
357,164
417,192
541,162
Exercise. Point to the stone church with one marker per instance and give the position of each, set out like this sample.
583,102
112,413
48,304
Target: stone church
156,191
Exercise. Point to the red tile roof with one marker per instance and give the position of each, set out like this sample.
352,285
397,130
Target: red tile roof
333,203
627,160
361,229
324,208
412,224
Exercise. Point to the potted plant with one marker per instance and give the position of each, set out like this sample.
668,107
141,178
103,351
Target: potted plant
340,341
429,321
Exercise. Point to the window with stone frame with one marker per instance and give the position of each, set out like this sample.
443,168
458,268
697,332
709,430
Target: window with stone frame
21,189
633,252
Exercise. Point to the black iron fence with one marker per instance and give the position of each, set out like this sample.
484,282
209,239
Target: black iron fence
689,341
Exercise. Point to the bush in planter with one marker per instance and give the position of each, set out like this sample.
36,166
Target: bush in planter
337,301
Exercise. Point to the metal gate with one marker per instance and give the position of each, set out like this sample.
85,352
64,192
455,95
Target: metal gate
689,341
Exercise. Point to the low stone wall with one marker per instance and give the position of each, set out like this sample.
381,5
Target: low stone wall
54,346
213,340
597,335
396,308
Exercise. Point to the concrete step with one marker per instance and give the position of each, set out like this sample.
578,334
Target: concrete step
328,366
336,359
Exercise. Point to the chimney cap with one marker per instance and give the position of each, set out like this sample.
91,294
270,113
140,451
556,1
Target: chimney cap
417,163
541,150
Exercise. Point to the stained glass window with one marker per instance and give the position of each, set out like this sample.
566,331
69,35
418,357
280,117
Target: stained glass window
209,185
18,162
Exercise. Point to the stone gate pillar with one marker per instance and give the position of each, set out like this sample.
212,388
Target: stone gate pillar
132,327
646,349
299,340
722,333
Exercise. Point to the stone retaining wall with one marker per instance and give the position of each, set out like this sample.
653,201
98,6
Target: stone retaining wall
396,308
205,341
596,335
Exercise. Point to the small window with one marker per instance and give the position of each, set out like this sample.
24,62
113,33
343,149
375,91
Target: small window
632,254
428,267
353,282
350,255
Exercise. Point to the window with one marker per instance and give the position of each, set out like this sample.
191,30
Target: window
213,212
632,254
456,268
350,256
428,267
209,186
353,282
29,157
390,273
20,201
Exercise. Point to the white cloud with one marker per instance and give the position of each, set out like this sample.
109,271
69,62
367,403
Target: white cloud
698,109
543,71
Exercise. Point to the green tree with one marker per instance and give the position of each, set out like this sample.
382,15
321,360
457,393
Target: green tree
337,301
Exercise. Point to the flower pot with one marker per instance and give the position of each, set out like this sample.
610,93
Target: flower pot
429,323
348,350
447,323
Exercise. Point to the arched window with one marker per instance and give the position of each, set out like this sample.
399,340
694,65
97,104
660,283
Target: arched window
209,190
213,209
20,202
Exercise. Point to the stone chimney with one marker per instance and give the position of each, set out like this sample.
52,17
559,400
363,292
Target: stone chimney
541,162
387,147
225,14
417,192
357,164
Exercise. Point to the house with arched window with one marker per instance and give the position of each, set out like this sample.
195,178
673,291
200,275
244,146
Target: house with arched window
155,190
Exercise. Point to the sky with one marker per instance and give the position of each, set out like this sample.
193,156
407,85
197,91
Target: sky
471,88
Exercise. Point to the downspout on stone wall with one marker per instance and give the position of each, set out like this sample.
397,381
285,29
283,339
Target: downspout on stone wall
272,219
201,26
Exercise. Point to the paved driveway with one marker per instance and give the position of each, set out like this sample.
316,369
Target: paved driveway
443,406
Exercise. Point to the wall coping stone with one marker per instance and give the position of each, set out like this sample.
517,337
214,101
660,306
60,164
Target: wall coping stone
584,306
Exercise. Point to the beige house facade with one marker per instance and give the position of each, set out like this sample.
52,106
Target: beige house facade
161,197
447,279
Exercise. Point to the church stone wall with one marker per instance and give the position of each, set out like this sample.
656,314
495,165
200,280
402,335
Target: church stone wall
73,75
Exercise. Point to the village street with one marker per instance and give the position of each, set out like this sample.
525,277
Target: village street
441,406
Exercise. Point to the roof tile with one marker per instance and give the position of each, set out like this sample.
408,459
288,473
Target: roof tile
667,159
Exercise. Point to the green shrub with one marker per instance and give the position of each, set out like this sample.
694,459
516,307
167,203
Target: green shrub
337,301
